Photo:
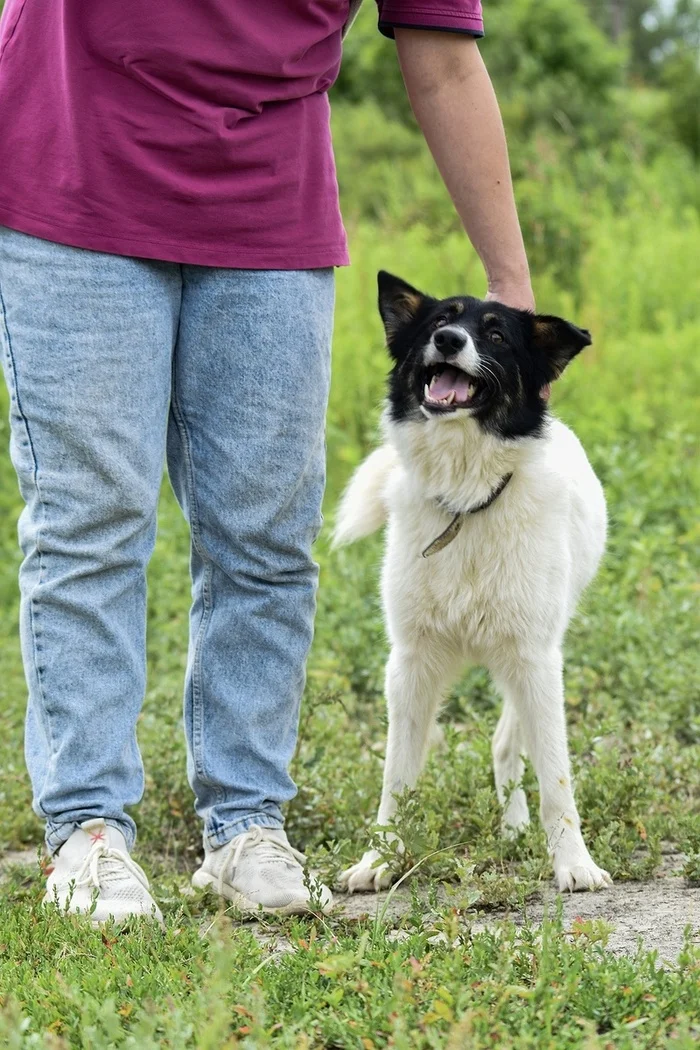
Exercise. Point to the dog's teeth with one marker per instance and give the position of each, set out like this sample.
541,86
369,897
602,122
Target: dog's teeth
450,397
470,391
426,391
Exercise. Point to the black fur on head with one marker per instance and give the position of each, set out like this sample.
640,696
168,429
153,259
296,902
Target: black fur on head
467,356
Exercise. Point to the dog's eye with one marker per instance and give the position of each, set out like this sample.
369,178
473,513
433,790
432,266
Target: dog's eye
439,322
495,336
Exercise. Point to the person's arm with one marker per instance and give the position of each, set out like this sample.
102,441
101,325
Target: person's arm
455,105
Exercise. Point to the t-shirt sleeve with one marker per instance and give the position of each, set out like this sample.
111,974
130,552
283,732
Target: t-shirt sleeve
451,16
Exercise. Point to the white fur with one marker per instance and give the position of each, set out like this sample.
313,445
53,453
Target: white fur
363,508
500,594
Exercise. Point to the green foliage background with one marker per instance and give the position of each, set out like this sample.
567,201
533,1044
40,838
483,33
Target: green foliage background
602,115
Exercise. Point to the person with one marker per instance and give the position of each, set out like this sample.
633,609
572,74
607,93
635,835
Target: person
169,228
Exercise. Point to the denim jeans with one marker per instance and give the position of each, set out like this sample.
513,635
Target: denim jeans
116,365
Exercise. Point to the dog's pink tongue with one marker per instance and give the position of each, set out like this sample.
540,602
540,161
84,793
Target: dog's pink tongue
450,380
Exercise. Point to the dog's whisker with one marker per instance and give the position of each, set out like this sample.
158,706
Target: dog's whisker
486,370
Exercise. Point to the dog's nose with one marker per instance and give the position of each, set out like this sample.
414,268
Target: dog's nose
450,340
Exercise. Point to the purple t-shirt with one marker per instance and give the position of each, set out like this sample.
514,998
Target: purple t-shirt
193,131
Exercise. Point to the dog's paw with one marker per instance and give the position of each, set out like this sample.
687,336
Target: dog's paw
367,876
581,873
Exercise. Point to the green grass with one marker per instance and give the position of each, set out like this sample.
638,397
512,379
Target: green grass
633,709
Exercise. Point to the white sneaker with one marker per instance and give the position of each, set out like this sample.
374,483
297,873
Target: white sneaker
259,871
95,858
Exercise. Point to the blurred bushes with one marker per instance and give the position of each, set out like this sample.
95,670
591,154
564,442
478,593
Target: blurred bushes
586,140
681,78
554,70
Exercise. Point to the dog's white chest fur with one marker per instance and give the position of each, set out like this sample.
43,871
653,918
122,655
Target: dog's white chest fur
514,572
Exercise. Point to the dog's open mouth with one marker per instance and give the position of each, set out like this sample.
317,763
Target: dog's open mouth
448,388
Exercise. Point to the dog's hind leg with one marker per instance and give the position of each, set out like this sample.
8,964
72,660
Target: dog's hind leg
508,767
415,684
536,687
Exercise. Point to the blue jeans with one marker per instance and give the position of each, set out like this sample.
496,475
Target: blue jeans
115,365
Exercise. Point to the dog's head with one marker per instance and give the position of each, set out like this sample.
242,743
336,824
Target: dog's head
463,358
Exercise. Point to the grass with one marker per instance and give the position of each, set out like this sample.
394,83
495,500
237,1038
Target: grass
430,979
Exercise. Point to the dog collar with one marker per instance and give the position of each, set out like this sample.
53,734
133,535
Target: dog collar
441,541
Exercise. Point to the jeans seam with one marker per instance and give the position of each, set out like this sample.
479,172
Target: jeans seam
195,532
33,611
197,690
181,424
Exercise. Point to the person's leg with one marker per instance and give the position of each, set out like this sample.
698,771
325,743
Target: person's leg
86,342
246,455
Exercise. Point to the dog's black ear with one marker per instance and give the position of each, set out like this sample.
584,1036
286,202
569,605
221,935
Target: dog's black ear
399,302
559,341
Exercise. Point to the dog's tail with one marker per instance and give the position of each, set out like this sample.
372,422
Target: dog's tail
363,507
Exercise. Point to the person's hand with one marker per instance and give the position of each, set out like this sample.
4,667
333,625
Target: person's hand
519,295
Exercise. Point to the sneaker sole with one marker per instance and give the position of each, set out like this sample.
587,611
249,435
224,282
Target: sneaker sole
201,880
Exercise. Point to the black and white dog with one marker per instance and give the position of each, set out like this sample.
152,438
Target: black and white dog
495,525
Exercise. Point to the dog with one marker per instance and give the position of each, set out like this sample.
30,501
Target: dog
496,523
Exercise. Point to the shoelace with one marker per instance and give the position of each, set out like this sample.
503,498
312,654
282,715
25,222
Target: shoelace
270,849
88,874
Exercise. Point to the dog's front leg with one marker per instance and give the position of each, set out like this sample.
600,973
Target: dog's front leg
414,686
536,688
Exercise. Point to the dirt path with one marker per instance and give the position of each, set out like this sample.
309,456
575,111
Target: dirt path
657,911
